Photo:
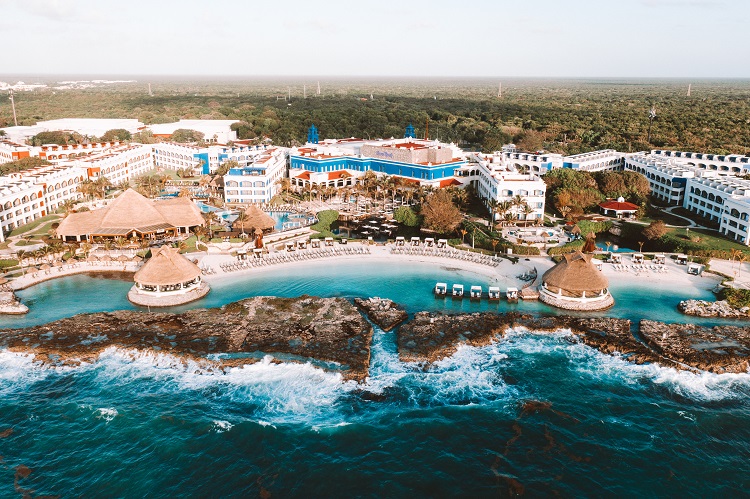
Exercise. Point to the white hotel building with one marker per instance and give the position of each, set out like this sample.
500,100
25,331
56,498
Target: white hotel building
707,187
494,179
118,163
256,180
31,194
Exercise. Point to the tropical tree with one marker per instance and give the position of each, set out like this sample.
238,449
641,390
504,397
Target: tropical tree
439,213
241,219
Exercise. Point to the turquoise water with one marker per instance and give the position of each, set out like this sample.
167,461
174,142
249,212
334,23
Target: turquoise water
408,283
535,413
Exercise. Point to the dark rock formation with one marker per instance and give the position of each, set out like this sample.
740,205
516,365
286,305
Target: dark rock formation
326,329
718,349
386,314
429,336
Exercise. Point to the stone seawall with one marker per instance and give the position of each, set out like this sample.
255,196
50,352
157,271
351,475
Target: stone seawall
580,306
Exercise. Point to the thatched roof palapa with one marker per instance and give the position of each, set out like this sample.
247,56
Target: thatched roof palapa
166,267
575,273
256,218
132,212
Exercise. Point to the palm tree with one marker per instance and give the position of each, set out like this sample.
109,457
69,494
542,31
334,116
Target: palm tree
640,246
108,245
503,208
241,219
741,258
210,219
564,211
120,242
493,204
85,248
21,255
527,210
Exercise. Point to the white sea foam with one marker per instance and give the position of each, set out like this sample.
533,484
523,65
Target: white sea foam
106,413
220,426
17,370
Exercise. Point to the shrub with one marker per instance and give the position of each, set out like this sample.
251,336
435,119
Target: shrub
406,216
326,219
737,298
566,248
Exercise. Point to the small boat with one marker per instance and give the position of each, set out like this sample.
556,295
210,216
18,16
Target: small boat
494,293
512,294
475,293
441,289
458,291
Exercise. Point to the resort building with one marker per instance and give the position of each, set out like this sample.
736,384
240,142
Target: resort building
257,178
525,162
595,161
12,151
59,184
729,164
117,164
666,178
131,215
724,200
542,162
55,152
575,284
37,192
214,131
493,179
22,202
618,208
167,279
90,127
428,162
174,156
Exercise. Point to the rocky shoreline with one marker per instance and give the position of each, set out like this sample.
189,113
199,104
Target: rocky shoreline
337,333
720,308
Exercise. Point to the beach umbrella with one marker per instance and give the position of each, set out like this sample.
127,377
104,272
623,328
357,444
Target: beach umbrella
32,270
123,258
137,258
106,258
3,280
92,258
45,267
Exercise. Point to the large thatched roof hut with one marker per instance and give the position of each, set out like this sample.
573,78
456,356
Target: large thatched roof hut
131,214
576,284
255,219
167,279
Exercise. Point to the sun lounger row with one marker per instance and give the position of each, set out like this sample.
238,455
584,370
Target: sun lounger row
659,269
446,253
296,256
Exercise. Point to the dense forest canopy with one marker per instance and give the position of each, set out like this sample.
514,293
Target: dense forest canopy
567,116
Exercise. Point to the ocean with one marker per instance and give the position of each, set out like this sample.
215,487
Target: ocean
534,414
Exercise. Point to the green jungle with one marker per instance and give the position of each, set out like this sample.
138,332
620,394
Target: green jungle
565,116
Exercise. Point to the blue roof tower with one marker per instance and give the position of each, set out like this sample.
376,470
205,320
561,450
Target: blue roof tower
312,135
410,132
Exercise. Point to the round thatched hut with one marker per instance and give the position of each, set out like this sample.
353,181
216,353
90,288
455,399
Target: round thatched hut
575,284
255,218
167,279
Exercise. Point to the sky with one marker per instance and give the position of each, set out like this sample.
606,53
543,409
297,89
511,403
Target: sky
418,38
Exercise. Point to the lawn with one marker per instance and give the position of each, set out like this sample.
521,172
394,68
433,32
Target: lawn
33,225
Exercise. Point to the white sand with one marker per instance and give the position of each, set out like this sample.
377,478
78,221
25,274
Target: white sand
505,274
